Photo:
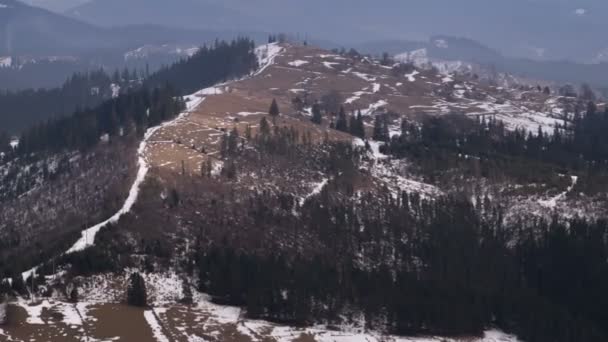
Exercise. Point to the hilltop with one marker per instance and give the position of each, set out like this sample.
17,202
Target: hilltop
313,214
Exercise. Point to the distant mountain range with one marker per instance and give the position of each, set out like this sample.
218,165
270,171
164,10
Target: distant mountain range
28,30
98,28
536,29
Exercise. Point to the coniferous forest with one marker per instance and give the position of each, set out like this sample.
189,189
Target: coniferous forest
405,264
210,65
142,105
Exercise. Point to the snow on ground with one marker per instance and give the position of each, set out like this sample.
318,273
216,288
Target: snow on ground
297,63
417,57
115,90
356,96
376,87
213,317
374,107
330,65
365,77
552,202
266,55
14,143
516,117
87,238
6,62
157,331
390,172
322,334
34,312
411,77
245,114
318,187
447,79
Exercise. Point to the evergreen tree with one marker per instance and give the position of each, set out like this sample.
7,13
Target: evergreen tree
136,291
381,132
317,117
274,110
264,128
342,122
357,126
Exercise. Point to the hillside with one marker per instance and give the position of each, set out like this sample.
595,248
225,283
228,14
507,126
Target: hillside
454,49
348,211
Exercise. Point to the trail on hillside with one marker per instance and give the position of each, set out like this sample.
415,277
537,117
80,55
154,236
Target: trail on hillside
266,55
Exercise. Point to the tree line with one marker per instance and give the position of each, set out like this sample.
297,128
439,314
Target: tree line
141,106
23,108
486,148
429,267
219,62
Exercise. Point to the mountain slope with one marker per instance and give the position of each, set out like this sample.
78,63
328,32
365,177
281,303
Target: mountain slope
292,217
30,30
27,30
454,49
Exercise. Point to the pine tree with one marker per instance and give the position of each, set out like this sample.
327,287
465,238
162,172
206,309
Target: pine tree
274,110
233,142
342,123
317,117
264,128
136,291
357,126
381,132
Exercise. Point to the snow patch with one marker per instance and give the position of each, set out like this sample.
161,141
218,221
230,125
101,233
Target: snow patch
363,76
245,114
298,63
6,62
115,90
330,65
266,55
318,187
411,77
374,107
441,43
155,326
552,202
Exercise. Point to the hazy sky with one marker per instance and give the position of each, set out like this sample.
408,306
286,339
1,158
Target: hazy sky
56,5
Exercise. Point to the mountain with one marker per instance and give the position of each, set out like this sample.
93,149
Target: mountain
30,30
300,193
27,30
538,29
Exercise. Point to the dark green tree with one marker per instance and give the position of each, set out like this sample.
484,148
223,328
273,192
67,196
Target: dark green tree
342,122
317,117
136,291
274,110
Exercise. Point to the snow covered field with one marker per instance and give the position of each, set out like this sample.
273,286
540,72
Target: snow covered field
91,319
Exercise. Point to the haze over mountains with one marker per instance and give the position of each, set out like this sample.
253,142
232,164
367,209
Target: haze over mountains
509,36
31,30
567,30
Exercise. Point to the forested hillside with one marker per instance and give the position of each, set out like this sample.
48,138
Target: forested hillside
324,191
21,109
58,156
